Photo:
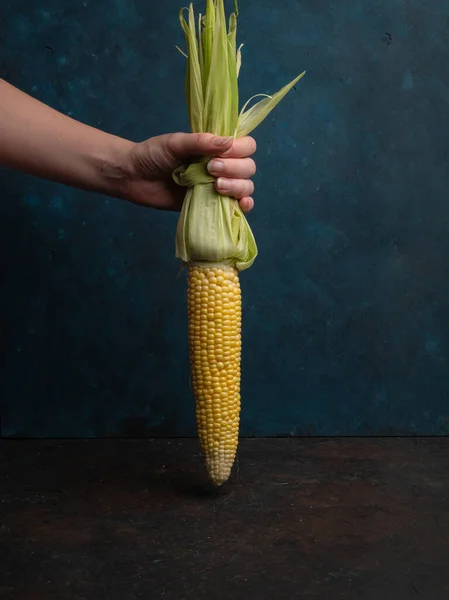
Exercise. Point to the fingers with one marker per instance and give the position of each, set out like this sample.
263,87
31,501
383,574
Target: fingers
237,188
240,168
231,163
246,204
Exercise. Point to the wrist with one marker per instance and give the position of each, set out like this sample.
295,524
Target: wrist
115,168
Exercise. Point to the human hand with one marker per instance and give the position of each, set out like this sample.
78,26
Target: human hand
152,162
41,141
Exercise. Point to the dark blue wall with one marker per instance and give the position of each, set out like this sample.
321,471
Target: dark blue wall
346,325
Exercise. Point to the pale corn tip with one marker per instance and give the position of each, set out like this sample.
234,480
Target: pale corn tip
214,309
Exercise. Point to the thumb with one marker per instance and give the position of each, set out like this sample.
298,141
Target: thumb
183,145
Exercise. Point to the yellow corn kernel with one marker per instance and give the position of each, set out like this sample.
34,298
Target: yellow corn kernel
214,303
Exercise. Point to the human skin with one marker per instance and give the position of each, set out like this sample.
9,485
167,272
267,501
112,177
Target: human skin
38,140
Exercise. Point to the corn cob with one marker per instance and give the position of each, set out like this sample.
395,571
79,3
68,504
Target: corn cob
214,310
213,237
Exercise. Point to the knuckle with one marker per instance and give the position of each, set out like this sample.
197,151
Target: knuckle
253,166
174,138
252,144
173,141
203,139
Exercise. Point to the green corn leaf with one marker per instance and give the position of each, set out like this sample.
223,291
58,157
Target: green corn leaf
233,75
239,59
194,88
217,96
207,39
251,118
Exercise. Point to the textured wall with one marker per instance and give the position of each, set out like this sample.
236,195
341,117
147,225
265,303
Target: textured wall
347,308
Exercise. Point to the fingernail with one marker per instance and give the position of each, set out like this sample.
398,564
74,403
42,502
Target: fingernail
222,141
221,184
215,166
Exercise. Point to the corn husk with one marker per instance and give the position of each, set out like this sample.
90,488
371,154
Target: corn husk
212,228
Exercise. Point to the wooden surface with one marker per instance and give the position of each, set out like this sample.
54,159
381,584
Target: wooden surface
301,518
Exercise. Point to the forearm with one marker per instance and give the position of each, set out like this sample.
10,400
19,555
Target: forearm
40,141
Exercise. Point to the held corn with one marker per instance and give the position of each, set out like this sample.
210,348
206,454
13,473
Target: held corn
213,237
